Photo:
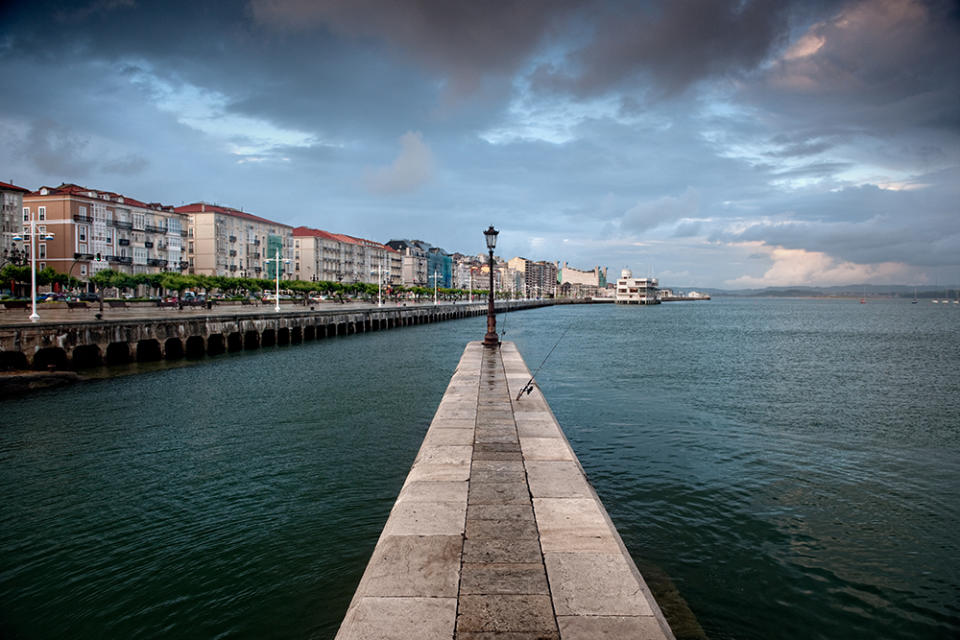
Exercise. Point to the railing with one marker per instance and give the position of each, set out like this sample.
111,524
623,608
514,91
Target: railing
150,228
83,256
148,244
233,253
123,224
123,242
184,233
233,238
156,262
79,218
112,258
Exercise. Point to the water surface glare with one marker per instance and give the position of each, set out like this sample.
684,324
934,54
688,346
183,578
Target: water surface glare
791,465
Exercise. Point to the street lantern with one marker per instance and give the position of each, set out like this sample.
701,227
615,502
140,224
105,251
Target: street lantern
490,339
279,262
33,262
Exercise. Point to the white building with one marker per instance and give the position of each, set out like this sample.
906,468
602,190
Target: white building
632,290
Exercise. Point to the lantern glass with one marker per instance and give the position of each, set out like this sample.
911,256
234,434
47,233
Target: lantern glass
491,236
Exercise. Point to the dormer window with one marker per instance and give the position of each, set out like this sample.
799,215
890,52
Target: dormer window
44,191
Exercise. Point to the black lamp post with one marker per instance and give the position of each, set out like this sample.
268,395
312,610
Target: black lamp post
491,340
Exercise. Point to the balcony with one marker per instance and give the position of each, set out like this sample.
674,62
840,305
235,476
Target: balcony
123,242
233,238
123,224
257,269
83,256
184,233
156,262
151,228
184,265
148,244
233,253
233,267
112,258
256,243
79,218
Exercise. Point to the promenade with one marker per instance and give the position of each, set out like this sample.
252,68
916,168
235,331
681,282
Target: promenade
58,312
496,532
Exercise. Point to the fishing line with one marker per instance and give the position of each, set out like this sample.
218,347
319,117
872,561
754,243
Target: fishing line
529,386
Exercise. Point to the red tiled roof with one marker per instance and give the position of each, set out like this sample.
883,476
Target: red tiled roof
303,232
84,192
12,187
202,207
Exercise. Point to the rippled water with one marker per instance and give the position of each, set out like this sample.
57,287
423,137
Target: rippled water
792,466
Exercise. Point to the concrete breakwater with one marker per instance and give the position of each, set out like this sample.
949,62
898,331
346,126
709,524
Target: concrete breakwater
496,531
167,335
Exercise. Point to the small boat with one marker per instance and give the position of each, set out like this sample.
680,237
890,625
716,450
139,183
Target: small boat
915,300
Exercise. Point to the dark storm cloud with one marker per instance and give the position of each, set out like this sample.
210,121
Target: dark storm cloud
467,41
673,43
876,67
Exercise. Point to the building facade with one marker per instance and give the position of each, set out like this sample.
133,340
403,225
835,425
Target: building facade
223,241
11,222
539,278
632,290
335,257
596,277
413,262
93,230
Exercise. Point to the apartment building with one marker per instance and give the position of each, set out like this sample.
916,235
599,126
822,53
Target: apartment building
11,216
335,257
413,261
93,230
539,278
222,241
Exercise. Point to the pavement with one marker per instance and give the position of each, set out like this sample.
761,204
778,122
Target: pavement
496,532
59,313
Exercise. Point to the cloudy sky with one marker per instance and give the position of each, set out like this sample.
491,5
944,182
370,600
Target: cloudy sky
722,143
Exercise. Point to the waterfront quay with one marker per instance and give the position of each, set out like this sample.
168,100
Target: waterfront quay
77,339
496,531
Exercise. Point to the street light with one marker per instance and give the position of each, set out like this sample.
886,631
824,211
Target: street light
491,340
278,262
33,262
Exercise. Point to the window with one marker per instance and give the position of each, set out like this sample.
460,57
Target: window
82,233
83,269
41,213
42,251
26,214
139,255
138,221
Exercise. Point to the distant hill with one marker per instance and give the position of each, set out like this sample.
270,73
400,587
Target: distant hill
850,291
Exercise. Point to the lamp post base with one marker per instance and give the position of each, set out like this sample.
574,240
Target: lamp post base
491,340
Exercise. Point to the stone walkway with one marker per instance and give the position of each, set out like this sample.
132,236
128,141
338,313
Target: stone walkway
496,532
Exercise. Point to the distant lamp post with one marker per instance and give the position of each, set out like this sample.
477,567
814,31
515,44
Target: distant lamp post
491,340
33,262
278,262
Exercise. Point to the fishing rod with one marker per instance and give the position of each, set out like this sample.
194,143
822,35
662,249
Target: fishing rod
529,386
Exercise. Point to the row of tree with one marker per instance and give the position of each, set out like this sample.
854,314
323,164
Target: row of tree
157,284
16,274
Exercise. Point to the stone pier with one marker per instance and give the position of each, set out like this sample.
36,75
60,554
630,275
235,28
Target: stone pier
496,532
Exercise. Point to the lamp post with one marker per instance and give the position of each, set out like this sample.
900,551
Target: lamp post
434,286
490,339
33,262
279,262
